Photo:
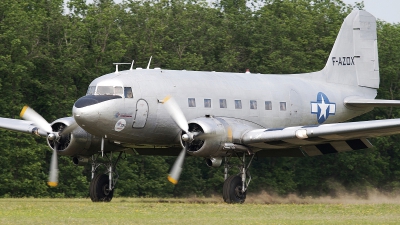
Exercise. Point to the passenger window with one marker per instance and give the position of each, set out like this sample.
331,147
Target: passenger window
207,103
222,103
238,104
128,92
192,102
282,106
268,105
253,104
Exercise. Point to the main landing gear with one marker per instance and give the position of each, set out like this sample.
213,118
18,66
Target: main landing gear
235,186
102,186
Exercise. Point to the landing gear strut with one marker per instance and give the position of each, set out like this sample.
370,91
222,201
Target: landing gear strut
102,186
235,186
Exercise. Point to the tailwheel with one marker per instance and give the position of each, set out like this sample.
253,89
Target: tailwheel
99,189
233,190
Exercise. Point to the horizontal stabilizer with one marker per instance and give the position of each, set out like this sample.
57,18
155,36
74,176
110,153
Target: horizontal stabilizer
372,103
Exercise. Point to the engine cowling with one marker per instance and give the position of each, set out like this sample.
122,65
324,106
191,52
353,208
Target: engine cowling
217,135
78,142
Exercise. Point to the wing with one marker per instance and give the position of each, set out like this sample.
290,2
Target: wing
21,126
321,139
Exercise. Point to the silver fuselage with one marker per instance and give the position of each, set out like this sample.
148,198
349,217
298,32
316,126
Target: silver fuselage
156,127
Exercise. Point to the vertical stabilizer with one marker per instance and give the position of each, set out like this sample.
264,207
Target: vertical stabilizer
354,57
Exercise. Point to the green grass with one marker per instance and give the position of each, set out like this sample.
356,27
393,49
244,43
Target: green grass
189,211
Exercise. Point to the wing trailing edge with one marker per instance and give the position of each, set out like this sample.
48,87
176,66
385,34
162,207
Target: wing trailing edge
321,139
324,148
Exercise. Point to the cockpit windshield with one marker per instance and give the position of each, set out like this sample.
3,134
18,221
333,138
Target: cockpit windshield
110,90
91,90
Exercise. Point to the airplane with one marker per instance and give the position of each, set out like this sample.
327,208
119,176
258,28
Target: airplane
220,115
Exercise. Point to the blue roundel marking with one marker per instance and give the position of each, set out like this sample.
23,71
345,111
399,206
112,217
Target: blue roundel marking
322,107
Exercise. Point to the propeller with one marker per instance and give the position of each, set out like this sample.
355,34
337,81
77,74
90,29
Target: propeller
57,142
176,170
53,175
177,115
69,129
28,113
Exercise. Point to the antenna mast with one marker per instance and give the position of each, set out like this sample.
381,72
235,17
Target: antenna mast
148,65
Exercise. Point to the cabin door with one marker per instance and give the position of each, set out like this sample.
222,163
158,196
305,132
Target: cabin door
142,111
295,102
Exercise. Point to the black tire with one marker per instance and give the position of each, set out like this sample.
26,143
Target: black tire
98,189
232,190
225,188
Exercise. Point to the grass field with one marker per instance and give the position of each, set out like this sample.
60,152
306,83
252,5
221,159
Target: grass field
191,211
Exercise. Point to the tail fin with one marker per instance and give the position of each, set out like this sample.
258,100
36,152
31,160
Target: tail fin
354,57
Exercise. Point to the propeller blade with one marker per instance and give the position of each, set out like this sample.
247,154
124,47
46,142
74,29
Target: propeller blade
29,114
69,129
176,113
53,176
176,170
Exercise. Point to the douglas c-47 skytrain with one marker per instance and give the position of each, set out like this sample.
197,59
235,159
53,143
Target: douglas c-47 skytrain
218,116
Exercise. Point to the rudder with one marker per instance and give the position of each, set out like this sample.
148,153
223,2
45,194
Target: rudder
354,56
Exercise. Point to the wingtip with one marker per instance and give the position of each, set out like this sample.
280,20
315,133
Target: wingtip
23,111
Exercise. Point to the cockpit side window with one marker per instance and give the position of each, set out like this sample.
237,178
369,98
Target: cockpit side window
91,90
128,92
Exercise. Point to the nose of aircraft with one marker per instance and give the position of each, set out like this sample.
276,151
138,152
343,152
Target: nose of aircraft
86,109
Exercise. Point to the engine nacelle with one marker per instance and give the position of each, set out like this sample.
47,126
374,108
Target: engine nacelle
78,142
217,135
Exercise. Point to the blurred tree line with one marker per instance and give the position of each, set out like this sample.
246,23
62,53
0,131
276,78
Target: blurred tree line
48,58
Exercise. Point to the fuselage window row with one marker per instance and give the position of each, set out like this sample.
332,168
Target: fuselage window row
238,104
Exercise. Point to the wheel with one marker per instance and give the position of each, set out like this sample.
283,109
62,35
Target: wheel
98,189
232,190
225,188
